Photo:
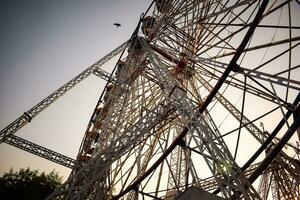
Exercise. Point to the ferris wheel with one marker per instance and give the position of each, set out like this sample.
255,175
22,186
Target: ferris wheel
203,102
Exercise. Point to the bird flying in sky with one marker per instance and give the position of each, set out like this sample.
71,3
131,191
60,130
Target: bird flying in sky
117,25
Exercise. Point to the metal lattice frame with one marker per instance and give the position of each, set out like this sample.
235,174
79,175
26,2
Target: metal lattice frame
41,151
149,78
156,129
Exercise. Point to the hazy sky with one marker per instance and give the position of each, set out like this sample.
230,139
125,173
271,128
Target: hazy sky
44,44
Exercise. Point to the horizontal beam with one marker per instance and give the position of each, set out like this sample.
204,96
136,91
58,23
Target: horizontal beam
40,151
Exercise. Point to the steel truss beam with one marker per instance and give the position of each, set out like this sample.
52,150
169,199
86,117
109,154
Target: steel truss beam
34,111
178,169
261,46
264,185
249,89
289,164
251,127
45,153
277,179
40,151
255,74
253,130
210,183
203,107
276,150
97,166
198,126
287,185
148,155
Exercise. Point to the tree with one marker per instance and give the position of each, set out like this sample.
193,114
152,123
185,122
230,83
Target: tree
28,184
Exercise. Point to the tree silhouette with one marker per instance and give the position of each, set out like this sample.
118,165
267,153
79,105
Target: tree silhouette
28,184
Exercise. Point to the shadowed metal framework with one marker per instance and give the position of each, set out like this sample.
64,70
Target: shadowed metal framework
183,105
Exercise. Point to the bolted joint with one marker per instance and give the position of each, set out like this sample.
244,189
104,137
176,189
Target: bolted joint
181,143
27,117
236,68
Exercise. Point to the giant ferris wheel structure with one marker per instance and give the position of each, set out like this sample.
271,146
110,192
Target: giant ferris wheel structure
183,113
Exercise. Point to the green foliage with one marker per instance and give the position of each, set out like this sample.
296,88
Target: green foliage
28,184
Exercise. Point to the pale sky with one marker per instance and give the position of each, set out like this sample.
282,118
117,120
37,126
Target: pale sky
44,44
